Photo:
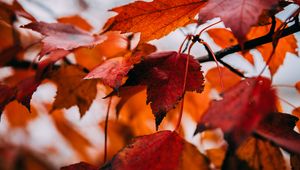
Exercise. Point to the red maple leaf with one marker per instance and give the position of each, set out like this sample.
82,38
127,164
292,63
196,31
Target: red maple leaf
279,128
159,151
240,111
239,15
163,74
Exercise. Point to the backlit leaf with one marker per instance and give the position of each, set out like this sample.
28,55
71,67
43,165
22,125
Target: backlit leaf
159,151
63,36
240,110
163,74
154,19
239,15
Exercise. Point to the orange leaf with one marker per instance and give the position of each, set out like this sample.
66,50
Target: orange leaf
296,112
196,104
229,79
297,86
224,38
154,19
115,45
285,45
17,114
216,156
77,21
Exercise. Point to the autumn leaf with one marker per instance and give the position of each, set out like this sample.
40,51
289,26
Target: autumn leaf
10,40
285,45
229,79
70,84
224,38
159,151
76,20
79,166
255,154
163,74
296,112
240,110
113,71
295,161
25,90
7,94
154,19
115,45
239,15
195,104
279,128
63,36
18,116
216,156
297,86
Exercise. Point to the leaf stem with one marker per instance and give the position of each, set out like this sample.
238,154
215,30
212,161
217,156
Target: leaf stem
105,130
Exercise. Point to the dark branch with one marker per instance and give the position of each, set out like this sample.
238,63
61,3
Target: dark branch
250,44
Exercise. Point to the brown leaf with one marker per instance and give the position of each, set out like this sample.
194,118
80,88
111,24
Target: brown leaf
159,151
72,89
260,154
154,19
295,161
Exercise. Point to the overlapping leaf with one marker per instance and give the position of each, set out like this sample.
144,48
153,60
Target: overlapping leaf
154,19
113,71
163,74
224,38
239,15
159,151
241,109
279,128
229,79
63,36
70,84
255,154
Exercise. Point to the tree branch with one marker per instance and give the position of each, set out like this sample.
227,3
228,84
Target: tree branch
250,44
